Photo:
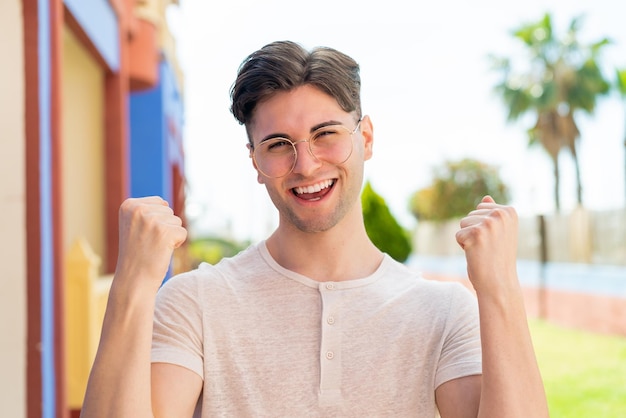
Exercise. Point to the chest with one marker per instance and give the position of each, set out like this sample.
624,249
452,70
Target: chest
321,350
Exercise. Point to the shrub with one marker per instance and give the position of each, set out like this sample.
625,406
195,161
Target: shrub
382,228
457,187
213,249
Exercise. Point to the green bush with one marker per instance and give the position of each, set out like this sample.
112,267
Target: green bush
213,249
457,187
382,228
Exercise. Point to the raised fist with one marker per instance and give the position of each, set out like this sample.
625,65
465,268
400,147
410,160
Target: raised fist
149,233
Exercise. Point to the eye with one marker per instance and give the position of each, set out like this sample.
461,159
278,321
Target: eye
278,145
326,133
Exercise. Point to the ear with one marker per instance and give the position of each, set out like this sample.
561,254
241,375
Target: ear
367,132
259,178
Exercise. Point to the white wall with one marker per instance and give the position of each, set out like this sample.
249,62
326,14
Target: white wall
12,214
579,236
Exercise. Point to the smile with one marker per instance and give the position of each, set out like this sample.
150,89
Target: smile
314,191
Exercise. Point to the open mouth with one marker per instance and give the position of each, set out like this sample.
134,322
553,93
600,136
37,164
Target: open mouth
314,191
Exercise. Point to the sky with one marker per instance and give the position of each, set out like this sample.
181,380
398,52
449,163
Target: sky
426,84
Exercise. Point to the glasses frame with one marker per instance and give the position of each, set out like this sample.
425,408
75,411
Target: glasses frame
309,141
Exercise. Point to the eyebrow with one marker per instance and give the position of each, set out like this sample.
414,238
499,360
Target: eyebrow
323,124
313,129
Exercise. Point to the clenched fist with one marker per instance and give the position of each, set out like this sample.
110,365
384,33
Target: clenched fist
488,235
149,233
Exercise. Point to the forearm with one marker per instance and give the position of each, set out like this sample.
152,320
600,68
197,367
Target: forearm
511,384
119,384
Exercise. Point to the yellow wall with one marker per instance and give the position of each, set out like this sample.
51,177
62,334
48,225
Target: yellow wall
86,295
12,221
83,146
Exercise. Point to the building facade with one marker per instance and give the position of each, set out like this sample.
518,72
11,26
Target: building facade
92,111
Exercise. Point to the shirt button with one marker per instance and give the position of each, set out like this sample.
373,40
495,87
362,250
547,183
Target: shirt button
330,286
330,320
330,355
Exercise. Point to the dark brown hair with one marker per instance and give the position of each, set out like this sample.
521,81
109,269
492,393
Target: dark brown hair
285,65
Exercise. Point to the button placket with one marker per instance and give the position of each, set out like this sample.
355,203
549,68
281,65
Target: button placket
330,344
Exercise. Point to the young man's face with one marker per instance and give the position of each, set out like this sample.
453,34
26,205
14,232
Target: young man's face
317,194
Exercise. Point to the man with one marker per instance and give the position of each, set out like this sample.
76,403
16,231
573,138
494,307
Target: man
314,321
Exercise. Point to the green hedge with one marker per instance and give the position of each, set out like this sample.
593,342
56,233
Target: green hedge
382,228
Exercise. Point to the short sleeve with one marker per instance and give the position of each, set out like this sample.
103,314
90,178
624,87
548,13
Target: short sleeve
461,351
178,334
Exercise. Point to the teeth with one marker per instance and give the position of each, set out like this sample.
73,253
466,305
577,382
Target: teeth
314,188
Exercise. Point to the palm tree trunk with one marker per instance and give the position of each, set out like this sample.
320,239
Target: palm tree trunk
579,187
557,181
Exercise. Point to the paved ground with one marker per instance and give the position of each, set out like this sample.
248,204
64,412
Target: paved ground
581,296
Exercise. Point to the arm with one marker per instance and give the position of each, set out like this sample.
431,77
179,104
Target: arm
121,383
511,382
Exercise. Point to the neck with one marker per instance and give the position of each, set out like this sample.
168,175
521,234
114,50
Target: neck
333,255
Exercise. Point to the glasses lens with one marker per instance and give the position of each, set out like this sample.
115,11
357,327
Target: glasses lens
332,144
275,157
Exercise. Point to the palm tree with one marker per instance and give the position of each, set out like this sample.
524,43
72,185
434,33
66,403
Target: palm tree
621,88
563,77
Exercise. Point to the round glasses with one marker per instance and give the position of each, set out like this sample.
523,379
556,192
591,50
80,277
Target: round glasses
276,157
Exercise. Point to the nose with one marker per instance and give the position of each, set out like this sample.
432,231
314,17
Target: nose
306,162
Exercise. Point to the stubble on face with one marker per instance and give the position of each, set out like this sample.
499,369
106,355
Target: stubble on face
346,192
314,221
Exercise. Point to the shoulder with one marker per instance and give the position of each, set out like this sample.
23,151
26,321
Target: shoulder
432,298
409,276
211,278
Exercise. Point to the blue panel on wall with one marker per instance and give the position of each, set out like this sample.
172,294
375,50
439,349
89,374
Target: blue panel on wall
98,20
156,136
173,112
48,373
148,167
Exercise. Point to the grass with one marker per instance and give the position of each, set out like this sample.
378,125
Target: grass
584,373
